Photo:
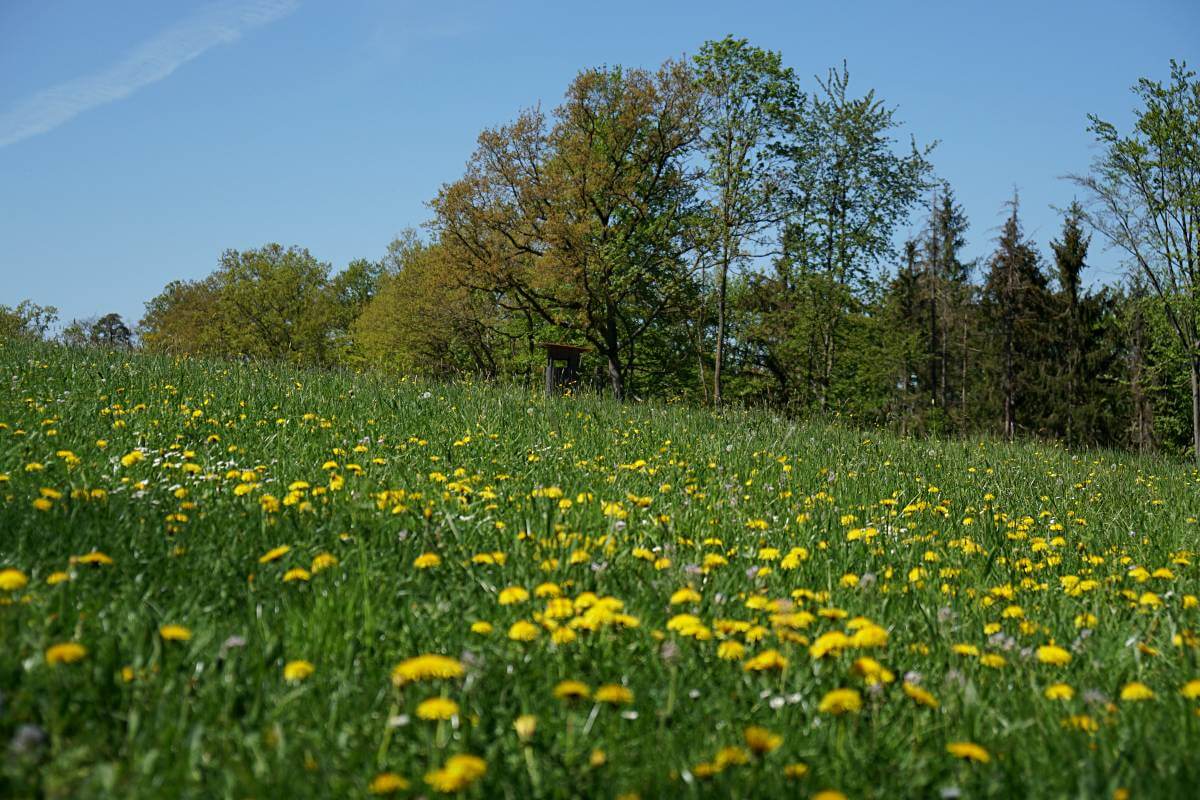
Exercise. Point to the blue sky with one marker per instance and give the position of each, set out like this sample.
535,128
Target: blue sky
140,139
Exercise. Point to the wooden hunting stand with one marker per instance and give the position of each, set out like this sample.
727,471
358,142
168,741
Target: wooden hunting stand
562,366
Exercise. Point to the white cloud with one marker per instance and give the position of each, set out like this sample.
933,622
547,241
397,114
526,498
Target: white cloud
153,60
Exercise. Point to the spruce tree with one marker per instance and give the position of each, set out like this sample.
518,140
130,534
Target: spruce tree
1016,306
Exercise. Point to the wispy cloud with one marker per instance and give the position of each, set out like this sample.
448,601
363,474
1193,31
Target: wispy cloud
152,60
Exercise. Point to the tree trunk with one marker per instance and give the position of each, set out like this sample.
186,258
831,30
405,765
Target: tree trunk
1195,363
722,277
616,377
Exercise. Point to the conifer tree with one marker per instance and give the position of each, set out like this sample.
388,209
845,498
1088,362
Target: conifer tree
1015,307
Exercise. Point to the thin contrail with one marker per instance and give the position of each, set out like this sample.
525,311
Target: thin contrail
152,60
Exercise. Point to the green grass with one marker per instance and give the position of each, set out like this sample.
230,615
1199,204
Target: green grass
142,717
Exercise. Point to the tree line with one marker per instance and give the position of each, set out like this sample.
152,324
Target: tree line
718,230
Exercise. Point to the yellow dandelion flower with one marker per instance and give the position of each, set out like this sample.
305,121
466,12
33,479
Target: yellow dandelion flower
1059,691
65,653
869,636
572,690
1191,689
1135,691
613,694
296,574
481,627
841,701
685,595
522,631
731,756
920,696
458,773
437,708
513,595
731,651
764,661
296,671
795,770
426,667
323,561
1053,654
387,783
968,751
525,726
1081,722
760,740
274,554
427,561
174,633
12,580
831,643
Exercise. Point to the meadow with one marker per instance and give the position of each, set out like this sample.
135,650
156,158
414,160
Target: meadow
238,580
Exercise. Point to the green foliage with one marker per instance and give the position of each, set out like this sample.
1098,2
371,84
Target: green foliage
27,320
1144,189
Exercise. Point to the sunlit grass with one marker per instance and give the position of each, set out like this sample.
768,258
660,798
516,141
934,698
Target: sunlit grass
631,599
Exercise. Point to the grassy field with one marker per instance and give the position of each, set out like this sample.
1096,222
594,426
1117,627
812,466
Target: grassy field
216,580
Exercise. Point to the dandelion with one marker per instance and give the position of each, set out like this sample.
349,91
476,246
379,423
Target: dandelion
829,794
1053,654
387,783
323,561
1059,691
731,651
426,667
831,643
1191,689
174,633
760,740
1081,722
525,726
765,661
968,751
65,653
871,671
297,574
731,756
841,701
613,694
522,631
869,636
427,561
437,708
513,595
920,696
1136,691
795,771
274,554
95,559
12,580
481,627
458,773
296,671
686,595
572,690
